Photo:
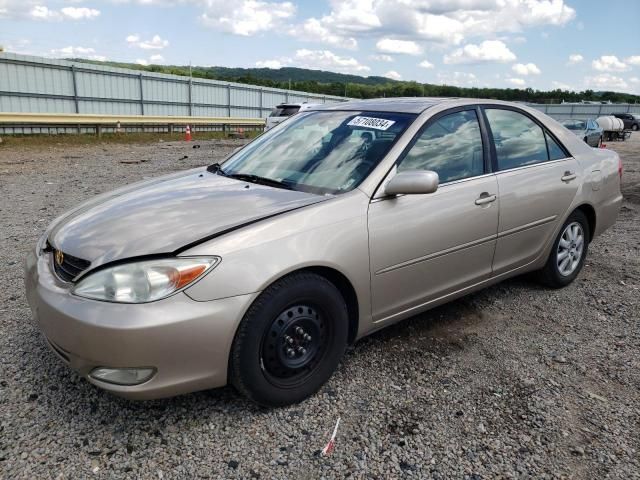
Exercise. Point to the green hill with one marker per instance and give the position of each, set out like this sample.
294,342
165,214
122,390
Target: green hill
355,86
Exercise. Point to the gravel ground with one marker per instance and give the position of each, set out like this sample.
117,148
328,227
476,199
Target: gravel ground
515,381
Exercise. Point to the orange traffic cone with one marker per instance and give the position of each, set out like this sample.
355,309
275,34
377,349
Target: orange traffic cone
187,134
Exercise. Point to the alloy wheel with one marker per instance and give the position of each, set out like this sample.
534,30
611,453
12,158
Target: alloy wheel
570,248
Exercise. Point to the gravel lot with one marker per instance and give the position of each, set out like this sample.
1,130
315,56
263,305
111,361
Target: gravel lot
515,381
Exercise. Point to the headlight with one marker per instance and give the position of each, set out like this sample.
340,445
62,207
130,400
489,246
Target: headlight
145,281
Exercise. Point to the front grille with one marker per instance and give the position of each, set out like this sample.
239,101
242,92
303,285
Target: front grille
70,267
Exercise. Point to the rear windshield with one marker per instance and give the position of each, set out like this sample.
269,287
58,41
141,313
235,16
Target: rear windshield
284,110
323,152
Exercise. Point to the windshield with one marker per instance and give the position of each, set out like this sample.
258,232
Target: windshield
320,152
575,124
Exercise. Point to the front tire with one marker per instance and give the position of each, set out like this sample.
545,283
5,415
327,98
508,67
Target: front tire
290,341
634,127
568,253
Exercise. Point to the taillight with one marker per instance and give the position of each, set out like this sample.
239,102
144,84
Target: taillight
620,167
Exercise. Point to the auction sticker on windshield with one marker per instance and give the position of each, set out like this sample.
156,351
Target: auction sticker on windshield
371,122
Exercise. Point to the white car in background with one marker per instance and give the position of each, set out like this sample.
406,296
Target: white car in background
285,110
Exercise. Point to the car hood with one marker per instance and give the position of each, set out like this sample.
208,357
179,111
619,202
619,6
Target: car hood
166,214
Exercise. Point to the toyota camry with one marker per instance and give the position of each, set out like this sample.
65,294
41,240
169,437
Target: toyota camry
259,271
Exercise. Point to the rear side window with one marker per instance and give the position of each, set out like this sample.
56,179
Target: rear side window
519,141
450,146
555,151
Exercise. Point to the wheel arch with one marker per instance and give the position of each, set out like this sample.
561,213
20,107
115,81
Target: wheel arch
346,289
590,213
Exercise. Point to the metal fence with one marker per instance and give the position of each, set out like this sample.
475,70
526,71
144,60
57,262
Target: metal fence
583,111
45,86
40,85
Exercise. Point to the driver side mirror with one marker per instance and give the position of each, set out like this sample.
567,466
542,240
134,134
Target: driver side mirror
413,182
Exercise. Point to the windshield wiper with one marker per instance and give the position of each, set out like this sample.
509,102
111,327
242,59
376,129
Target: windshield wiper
247,177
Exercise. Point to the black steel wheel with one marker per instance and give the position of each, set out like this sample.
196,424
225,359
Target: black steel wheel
294,344
290,340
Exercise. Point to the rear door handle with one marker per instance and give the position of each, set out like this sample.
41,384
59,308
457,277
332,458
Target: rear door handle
568,176
485,198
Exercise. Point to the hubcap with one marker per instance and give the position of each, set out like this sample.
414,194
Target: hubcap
570,249
294,344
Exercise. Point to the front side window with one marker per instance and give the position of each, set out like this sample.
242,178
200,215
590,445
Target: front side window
450,146
320,152
519,141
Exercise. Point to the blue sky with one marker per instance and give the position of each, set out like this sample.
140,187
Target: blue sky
543,44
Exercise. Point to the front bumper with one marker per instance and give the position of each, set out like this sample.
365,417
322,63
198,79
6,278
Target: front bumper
186,341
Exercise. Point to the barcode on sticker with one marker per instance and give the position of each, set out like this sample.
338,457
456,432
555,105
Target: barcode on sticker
371,122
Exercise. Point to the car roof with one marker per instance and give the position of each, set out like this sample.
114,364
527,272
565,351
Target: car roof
395,104
414,105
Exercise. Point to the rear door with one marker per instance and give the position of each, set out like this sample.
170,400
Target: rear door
537,181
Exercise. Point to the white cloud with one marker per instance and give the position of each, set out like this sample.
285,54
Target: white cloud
142,61
575,58
79,52
425,64
155,43
633,60
381,58
634,80
526,69
42,12
458,79
156,59
609,63
317,60
78,13
391,45
605,81
447,22
246,17
519,82
393,75
273,64
325,59
487,51
315,31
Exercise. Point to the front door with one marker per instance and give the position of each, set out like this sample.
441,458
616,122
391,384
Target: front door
423,247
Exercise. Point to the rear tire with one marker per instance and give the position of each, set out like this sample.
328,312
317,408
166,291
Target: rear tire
290,341
568,253
634,127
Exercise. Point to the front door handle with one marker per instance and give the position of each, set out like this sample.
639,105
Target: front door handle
568,176
485,198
